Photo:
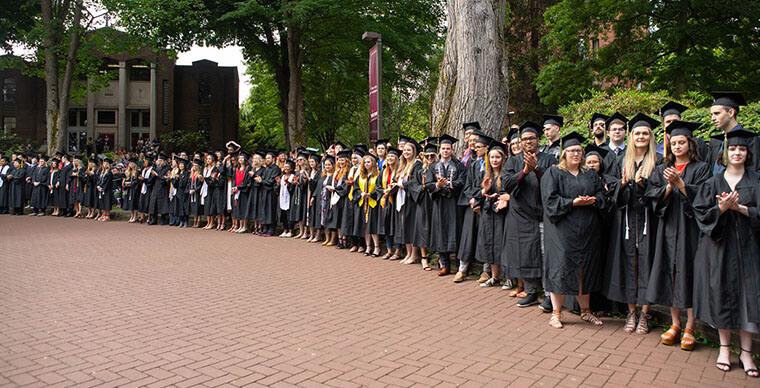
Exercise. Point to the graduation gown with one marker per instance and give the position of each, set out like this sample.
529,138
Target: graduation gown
145,189
421,195
130,192
631,243
522,237
89,191
715,152
5,184
335,211
219,195
726,265
313,217
368,207
299,198
58,192
470,221
104,193
671,281
240,201
322,198
572,234
75,185
254,197
159,196
66,202
349,221
194,207
17,187
41,192
269,203
490,241
386,216
446,215
209,207
405,217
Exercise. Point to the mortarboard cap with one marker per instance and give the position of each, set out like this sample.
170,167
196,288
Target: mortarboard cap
315,156
530,126
616,117
394,150
672,108
430,139
553,119
572,139
596,117
346,154
513,132
232,144
471,126
382,142
592,149
198,162
740,137
729,99
446,139
431,147
484,139
642,120
685,128
330,158
497,145
291,163
339,143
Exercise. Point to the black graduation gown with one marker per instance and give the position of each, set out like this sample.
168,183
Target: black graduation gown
405,219
490,240
671,281
41,192
471,220
240,201
104,194
130,192
715,151
254,197
631,243
75,187
209,207
522,237
322,198
269,205
65,201
335,212
6,183
28,189
159,196
145,188
367,213
219,196
194,207
299,199
17,189
424,209
386,216
572,234
314,192
349,218
446,215
89,191
726,266
58,192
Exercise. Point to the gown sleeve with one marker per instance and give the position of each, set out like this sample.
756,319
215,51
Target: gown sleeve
706,210
556,206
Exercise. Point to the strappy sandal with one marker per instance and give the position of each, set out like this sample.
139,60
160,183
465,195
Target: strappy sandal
515,292
755,373
387,255
522,294
722,366
556,320
630,322
588,316
689,340
643,327
393,257
669,337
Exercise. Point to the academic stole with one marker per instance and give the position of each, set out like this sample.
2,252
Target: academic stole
368,185
452,169
386,182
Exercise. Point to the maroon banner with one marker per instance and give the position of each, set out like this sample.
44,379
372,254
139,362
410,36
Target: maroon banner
374,114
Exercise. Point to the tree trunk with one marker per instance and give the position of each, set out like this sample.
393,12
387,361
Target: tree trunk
473,83
295,134
65,85
51,38
683,44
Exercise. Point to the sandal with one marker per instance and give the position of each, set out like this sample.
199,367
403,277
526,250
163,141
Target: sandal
669,337
555,320
689,340
630,322
588,316
522,294
515,292
722,366
755,373
393,257
375,253
643,327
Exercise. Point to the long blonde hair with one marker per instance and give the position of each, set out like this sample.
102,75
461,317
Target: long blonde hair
405,167
491,173
647,164
364,173
563,161
131,172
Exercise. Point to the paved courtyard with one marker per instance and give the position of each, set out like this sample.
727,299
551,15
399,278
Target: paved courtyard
85,303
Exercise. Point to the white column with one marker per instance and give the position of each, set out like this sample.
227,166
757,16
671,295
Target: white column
122,137
153,101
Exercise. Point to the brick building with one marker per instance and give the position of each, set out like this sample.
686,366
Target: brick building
149,95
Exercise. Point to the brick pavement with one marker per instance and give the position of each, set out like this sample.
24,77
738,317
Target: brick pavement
118,304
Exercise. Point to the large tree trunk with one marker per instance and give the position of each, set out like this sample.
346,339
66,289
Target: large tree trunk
295,133
50,39
473,83
65,85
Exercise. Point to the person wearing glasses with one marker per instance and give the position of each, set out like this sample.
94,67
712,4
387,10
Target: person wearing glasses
521,178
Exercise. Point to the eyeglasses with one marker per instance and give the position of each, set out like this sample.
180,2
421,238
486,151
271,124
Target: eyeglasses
574,151
531,138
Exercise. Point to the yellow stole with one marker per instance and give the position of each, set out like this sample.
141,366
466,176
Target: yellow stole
386,181
353,173
367,185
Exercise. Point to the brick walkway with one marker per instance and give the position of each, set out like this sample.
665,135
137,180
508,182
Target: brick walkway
159,306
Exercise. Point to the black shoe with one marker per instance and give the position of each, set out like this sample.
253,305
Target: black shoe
546,306
69,215
153,222
529,300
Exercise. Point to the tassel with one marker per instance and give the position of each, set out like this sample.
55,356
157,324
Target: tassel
626,225
725,149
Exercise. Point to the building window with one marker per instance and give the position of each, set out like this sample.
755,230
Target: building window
77,118
9,124
204,128
140,119
9,90
204,90
107,117
111,68
594,47
165,102
139,72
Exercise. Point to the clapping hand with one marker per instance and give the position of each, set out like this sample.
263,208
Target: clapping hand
584,200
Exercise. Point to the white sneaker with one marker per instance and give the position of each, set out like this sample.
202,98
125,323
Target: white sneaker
288,235
283,234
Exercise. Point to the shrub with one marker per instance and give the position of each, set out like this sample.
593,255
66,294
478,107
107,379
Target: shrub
179,140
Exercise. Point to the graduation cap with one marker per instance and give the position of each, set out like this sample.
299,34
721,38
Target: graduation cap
616,117
5,157
55,160
593,149
382,142
281,151
232,144
446,139
530,126
162,157
572,139
553,119
262,154
345,154
198,162
105,160
213,156
394,150
133,160
44,157
513,133
484,139
431,148
471,126
176,158
739,136
303,154
685,128
362,147
315,156
149,159
244,154
271,152
672,108
330,158
642,120
497,145
597,117
339,143
373,156
291,163
358,151
77,157
729,99
404,139
430,139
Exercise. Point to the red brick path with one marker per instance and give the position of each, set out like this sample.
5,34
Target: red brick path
117,304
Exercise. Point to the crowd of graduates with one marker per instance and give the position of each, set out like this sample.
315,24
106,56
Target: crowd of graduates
619,224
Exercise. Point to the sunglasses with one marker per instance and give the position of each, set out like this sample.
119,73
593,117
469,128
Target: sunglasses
430,156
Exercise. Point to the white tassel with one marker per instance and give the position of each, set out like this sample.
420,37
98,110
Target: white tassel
626,224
